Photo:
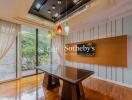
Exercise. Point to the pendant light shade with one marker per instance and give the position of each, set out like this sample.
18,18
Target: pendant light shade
51,32
59,29
66,29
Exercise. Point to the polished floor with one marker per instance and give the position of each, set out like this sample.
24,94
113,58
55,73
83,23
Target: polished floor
30,88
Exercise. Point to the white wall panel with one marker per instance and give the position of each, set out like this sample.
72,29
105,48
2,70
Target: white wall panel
113,28
109,72
120,75
91,67
119,27
81,35
128,31
109,29
114,74
88,34
96,35
96,70
69,38
92,33
85,34
102,72
102,30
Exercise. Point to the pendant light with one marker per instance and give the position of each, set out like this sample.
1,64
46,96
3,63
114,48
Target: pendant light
49,35
66,27
52,30
59,29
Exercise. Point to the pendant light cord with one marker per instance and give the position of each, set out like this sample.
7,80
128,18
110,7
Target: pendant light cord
66,9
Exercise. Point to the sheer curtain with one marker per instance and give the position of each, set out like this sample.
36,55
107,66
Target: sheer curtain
8,33
58,50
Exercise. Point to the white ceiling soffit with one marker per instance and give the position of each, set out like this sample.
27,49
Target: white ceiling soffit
100,11
17,11
39,20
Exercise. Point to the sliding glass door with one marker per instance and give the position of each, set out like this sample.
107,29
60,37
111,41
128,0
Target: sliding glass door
28,48
35,47
43,48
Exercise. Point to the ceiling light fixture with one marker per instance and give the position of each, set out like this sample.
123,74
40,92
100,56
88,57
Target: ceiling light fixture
59,29
56,15
66,29
49,11
53,7
59,1
76,1
38,6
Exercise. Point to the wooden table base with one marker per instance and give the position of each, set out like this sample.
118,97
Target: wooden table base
72,92
50,82
68,92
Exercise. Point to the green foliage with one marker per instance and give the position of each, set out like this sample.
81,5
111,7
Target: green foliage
28,42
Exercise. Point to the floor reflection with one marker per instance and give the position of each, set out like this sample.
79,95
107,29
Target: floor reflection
31,88
24,89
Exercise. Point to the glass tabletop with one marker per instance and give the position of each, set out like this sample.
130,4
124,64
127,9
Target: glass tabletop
66,73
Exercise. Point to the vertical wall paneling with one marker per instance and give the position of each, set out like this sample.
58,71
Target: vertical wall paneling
109,29
96,32
102,72
113,28
106,36
80,35
128,30
119,32
122,34
114,74
111,36
109,72
98,38
102,34
102,30
118,27
115,36
83,34
96,70
71,38
91,39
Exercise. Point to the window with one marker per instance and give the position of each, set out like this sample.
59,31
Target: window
43,48
28,46
8,64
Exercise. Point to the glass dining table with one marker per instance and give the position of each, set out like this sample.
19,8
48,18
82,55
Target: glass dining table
72,78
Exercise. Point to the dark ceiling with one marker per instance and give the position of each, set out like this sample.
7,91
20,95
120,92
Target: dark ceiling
53,11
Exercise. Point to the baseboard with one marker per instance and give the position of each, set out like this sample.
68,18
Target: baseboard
114,82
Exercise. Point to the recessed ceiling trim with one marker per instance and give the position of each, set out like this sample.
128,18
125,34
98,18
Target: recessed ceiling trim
39,5
76,12
64,9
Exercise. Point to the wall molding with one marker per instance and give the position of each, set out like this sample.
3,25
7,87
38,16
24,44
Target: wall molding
114,82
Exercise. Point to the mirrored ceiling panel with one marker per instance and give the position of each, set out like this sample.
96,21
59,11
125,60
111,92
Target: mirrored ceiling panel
55,10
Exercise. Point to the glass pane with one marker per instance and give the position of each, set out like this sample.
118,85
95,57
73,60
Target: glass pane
28,44
8,64
44,45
